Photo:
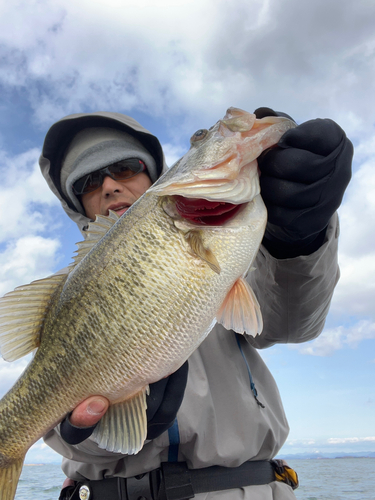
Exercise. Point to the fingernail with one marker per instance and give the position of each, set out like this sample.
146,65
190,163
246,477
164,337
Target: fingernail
96,407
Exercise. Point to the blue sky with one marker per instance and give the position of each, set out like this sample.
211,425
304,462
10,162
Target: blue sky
176,67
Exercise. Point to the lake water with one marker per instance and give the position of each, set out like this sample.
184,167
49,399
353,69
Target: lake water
324,479
335,479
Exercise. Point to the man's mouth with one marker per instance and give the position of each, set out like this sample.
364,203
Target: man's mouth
119,208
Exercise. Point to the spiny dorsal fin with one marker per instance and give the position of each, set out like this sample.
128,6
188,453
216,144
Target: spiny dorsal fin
240,310
22,313
194,239
95,232
123,428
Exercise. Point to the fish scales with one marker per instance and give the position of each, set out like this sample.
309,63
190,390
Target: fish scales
157,308
136,306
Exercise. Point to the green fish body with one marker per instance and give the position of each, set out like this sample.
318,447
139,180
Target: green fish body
143,293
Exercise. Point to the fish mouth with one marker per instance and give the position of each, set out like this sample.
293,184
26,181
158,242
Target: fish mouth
204,212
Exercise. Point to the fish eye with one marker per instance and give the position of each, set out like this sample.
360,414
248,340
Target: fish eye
199,135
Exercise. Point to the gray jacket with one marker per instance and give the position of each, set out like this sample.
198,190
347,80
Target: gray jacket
220,421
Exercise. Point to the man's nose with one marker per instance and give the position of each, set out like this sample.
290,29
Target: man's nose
110,185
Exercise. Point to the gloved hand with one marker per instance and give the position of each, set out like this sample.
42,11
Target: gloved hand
163,403
303,180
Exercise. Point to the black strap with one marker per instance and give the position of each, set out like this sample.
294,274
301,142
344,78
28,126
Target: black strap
181,483
175,481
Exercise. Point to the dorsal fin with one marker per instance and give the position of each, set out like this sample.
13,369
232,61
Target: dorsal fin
95,232
22,313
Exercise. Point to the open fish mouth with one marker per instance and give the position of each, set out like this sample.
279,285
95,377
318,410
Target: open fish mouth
205,212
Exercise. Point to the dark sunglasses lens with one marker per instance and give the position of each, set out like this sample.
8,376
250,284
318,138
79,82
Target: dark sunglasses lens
126,168
88,183
122,170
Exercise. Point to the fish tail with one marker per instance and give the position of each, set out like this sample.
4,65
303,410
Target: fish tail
10,471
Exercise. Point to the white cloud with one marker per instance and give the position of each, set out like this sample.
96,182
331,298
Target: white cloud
27,259
25,213
329,447
355,292
24,198
358,209
10,372
301,442
165,58
337,338
351,440
40,453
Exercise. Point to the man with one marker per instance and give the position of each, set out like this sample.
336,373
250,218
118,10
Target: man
230,421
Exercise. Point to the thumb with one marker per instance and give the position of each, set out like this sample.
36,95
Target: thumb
89,412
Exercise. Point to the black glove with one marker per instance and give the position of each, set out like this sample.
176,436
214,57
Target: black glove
163,403
302,182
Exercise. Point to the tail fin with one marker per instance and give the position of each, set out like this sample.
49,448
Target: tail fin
10,472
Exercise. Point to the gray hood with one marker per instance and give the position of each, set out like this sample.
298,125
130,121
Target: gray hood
61,134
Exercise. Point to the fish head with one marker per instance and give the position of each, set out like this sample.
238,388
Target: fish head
219,174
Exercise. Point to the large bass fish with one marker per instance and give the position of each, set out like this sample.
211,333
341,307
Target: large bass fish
144,291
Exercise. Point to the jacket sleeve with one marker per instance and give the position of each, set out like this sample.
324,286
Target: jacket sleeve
295,294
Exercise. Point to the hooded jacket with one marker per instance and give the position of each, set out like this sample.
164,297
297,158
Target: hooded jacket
220,421
61,134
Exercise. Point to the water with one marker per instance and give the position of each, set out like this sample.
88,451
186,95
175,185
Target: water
335,479
40,482
324,479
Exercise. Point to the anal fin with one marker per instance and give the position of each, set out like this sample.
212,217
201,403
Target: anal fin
240,310
123,428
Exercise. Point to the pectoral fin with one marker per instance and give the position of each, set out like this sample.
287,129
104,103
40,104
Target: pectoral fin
194,239
22,313
123,428
240,310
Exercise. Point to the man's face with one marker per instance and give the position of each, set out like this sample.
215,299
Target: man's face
116,195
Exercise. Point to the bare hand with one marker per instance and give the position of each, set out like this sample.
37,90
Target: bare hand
89,412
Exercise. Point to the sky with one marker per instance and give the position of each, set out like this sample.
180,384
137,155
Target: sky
176,66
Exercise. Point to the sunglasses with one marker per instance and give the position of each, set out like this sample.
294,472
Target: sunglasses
122,170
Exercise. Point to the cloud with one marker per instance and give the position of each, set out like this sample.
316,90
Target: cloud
358,209
337,338
25,260
40,453
351,440
328,446
355,292
166,59
10,372
27,212
24,199
301,442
